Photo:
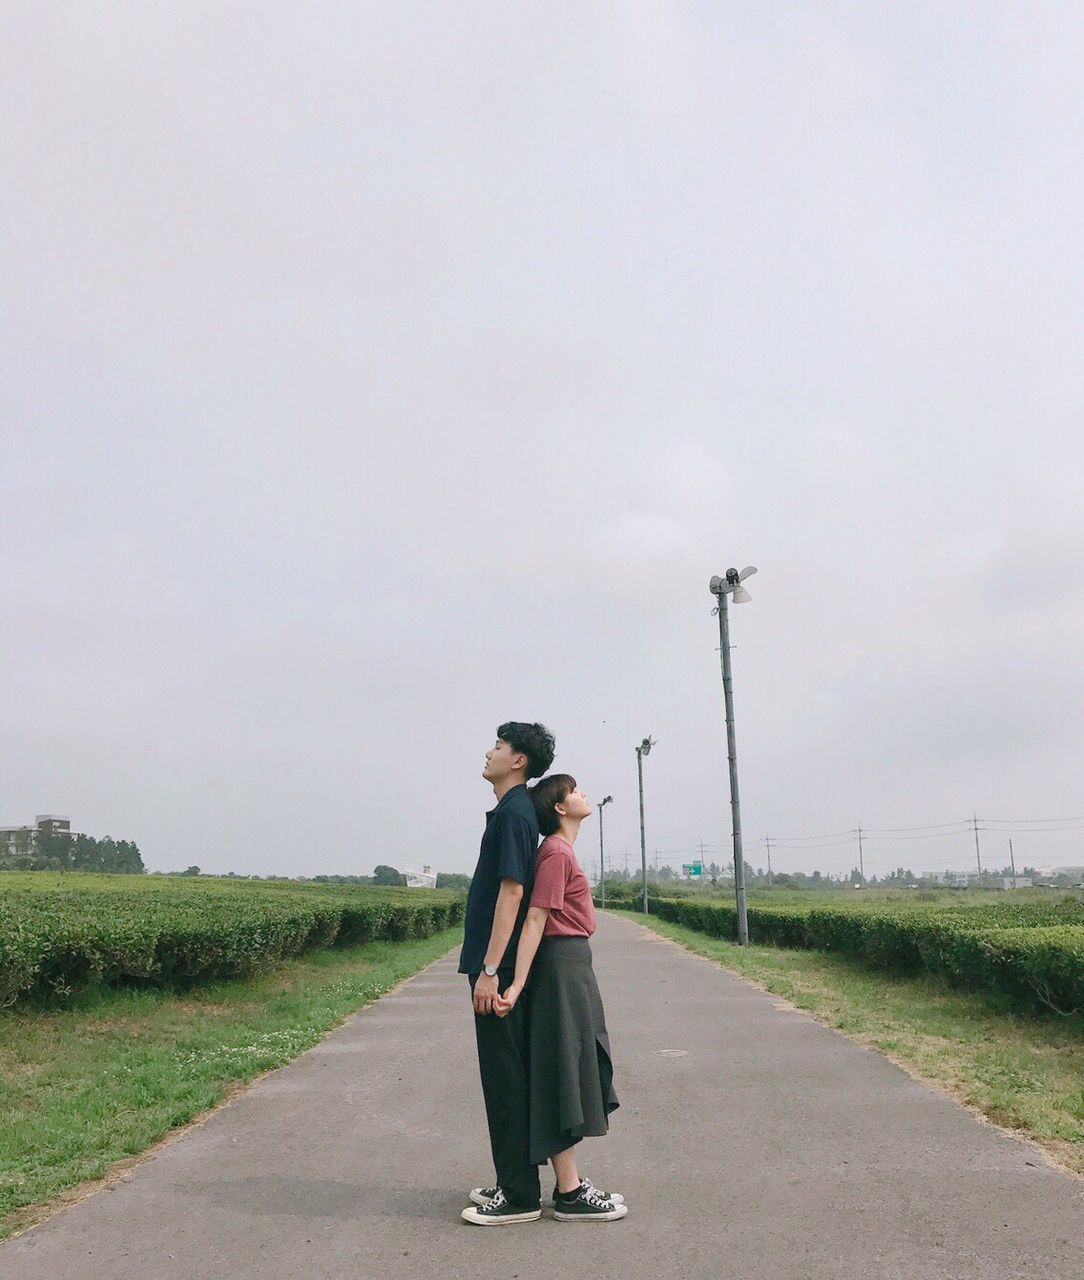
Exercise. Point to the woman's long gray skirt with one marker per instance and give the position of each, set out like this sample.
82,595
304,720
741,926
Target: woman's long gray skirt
571,1075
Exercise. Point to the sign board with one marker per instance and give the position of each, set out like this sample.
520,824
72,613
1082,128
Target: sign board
693,869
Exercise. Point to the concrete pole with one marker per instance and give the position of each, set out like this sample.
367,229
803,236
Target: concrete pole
643,840
732,754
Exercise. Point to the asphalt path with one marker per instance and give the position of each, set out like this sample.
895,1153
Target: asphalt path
751,1142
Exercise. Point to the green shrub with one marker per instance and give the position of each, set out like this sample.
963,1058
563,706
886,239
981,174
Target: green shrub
57,941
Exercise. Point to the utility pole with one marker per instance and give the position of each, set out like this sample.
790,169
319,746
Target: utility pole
642,750
601,848
720,588
861,860
978,856
1012,863
768,846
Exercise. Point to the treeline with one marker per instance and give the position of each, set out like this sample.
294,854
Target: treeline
56,852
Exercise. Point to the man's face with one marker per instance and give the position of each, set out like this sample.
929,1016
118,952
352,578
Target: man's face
501,760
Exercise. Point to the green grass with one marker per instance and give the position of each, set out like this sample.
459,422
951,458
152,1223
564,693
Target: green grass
105,1078
1023,1069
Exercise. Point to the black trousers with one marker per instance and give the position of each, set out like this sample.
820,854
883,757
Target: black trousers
503,1058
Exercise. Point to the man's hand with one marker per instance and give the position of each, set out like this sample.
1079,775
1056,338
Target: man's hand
503,1005
485,993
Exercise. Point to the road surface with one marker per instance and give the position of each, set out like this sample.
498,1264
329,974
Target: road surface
751,1142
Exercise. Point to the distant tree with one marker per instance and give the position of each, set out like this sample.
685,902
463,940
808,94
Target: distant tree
190,871
384,874
452,880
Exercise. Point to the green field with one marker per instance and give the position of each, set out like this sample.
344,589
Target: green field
62,933
135,1003
1027,944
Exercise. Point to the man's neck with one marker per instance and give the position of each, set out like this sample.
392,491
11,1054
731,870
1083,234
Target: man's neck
569,829
502,788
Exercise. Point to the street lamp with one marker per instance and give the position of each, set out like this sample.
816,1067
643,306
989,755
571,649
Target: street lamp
721,588
601,850
642,750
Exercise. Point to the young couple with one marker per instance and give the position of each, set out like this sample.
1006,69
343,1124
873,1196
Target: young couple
543,1051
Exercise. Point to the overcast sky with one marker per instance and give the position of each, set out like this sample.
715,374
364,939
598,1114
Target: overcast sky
376,373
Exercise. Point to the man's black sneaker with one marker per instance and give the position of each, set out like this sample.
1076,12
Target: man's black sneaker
498,1212
615,1196
589,1206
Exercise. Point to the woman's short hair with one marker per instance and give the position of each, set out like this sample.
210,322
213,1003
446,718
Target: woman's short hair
546,794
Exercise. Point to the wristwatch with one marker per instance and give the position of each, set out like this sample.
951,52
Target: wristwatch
490,970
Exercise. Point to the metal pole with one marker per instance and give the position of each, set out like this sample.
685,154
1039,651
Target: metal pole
601,856
643,840
768,845
732,753
1012,861
861,860
978,856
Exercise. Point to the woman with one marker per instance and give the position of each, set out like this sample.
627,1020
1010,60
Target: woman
571,1074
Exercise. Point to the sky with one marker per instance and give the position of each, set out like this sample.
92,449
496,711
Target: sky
374,374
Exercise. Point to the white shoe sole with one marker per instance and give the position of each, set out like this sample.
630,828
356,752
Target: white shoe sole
503,1220
618,1211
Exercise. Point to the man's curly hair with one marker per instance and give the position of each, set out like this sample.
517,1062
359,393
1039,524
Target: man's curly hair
534,740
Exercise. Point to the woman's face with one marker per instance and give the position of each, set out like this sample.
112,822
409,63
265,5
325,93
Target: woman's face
575,805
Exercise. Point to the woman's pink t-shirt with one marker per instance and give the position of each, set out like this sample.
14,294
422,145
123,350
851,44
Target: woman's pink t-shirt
561,886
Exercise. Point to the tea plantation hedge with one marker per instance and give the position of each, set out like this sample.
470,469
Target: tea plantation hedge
1032,950
55,941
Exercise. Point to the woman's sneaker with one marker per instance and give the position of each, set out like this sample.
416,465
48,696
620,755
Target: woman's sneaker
615,1196
589,1205
498,1212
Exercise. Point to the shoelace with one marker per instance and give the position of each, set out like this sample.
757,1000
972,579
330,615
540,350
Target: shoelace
595,1198
498,1200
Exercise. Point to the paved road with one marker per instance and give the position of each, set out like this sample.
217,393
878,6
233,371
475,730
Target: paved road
751,1142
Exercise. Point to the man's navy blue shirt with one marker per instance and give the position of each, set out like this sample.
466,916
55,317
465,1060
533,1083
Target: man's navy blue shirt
509,844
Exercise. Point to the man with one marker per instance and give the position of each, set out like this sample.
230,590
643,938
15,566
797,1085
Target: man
496,907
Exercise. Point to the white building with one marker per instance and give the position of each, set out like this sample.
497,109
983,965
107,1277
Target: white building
423,879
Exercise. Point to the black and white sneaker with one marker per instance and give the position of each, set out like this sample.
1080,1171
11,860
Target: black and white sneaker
483,1195
498,1212
615,1196
589,1206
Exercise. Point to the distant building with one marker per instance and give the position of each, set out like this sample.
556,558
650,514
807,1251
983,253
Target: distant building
1020,882
423,879
23,839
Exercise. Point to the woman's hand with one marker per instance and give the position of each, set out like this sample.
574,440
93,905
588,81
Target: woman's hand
503,1005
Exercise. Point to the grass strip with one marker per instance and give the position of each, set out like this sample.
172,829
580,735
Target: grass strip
107,1077
1022,1069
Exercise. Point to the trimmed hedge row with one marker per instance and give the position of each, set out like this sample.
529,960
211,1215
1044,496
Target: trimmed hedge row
55,942
986,948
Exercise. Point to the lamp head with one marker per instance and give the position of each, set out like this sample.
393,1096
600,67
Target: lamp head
645,747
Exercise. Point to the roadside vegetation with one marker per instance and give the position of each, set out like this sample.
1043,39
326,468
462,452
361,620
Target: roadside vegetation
1026,945
86,1088
135,1004
65,933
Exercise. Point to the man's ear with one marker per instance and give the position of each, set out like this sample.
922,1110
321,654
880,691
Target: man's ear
520,761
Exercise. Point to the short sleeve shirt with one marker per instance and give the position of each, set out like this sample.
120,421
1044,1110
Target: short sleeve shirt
561,886
509,843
